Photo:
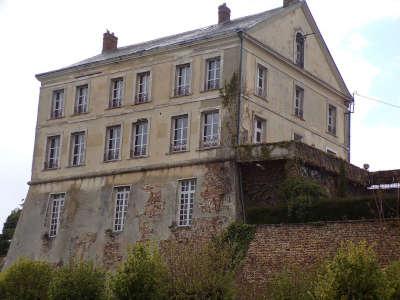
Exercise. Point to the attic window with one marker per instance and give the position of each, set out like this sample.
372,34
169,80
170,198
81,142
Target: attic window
299,55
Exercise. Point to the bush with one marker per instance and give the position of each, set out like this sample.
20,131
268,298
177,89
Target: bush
142,276
291,284
26,280
200,271
300,194
353,273
78,281
392,273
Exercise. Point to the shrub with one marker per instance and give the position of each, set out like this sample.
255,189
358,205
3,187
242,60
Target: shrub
300,195
200,271
78,281
392,273
26,280
142,276
353,273
291,284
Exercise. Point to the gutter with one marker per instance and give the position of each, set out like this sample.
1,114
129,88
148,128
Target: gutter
238,137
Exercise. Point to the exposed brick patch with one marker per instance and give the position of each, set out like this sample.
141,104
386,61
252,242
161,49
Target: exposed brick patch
81,244
216,185
201,230
278,246
111,252
155,204
154,208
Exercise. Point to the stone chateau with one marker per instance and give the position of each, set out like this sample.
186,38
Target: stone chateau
141,142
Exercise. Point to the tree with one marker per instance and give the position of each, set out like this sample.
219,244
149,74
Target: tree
353,273
8,231
26,280
78,281
143,275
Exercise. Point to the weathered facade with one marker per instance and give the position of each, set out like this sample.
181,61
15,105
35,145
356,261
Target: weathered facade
139,143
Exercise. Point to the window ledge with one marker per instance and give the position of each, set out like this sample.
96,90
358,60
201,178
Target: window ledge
332,134
70,166
139,157
54,119
299,118
112,160
210,90
177,152
140,103
112,108
261,97
181,96
79,114
203,148
50,169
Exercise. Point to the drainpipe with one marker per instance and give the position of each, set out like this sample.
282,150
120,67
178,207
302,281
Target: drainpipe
239,106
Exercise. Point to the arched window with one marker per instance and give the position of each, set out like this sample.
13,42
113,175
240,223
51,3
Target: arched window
299,50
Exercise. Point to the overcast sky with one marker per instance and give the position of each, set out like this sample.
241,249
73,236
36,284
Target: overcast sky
43,35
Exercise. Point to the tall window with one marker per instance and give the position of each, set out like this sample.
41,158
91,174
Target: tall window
81,99
121,195
57,104
332,112
57,205
210,136
259,131
261,81
142,87
117,89
179,133
140,135
213,70
300,49
187,190
78,145
299,102
182,81
52,152
113,143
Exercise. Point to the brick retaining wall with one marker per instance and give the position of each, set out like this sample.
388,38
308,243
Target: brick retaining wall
278,246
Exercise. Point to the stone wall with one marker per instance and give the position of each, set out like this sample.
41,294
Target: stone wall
276,247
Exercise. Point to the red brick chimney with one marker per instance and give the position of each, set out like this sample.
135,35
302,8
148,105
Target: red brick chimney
287,3
224,14
110,42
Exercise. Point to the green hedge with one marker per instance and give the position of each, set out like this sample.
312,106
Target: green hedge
329,210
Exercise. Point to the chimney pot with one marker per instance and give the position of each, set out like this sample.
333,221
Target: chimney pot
110,42
224,14
287,3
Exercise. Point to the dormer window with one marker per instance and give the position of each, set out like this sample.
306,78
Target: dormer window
299,55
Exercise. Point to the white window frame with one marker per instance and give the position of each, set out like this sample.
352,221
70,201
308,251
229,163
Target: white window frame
179,135
257,130
261,91
299,102
299,61
57,104
81,99
186,199
332,119
213,140
116,92
213,75
80,147
140,140
183,81
121,196
53,152
142,95
57,201
114,152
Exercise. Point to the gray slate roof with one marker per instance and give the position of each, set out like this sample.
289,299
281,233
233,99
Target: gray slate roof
184,38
